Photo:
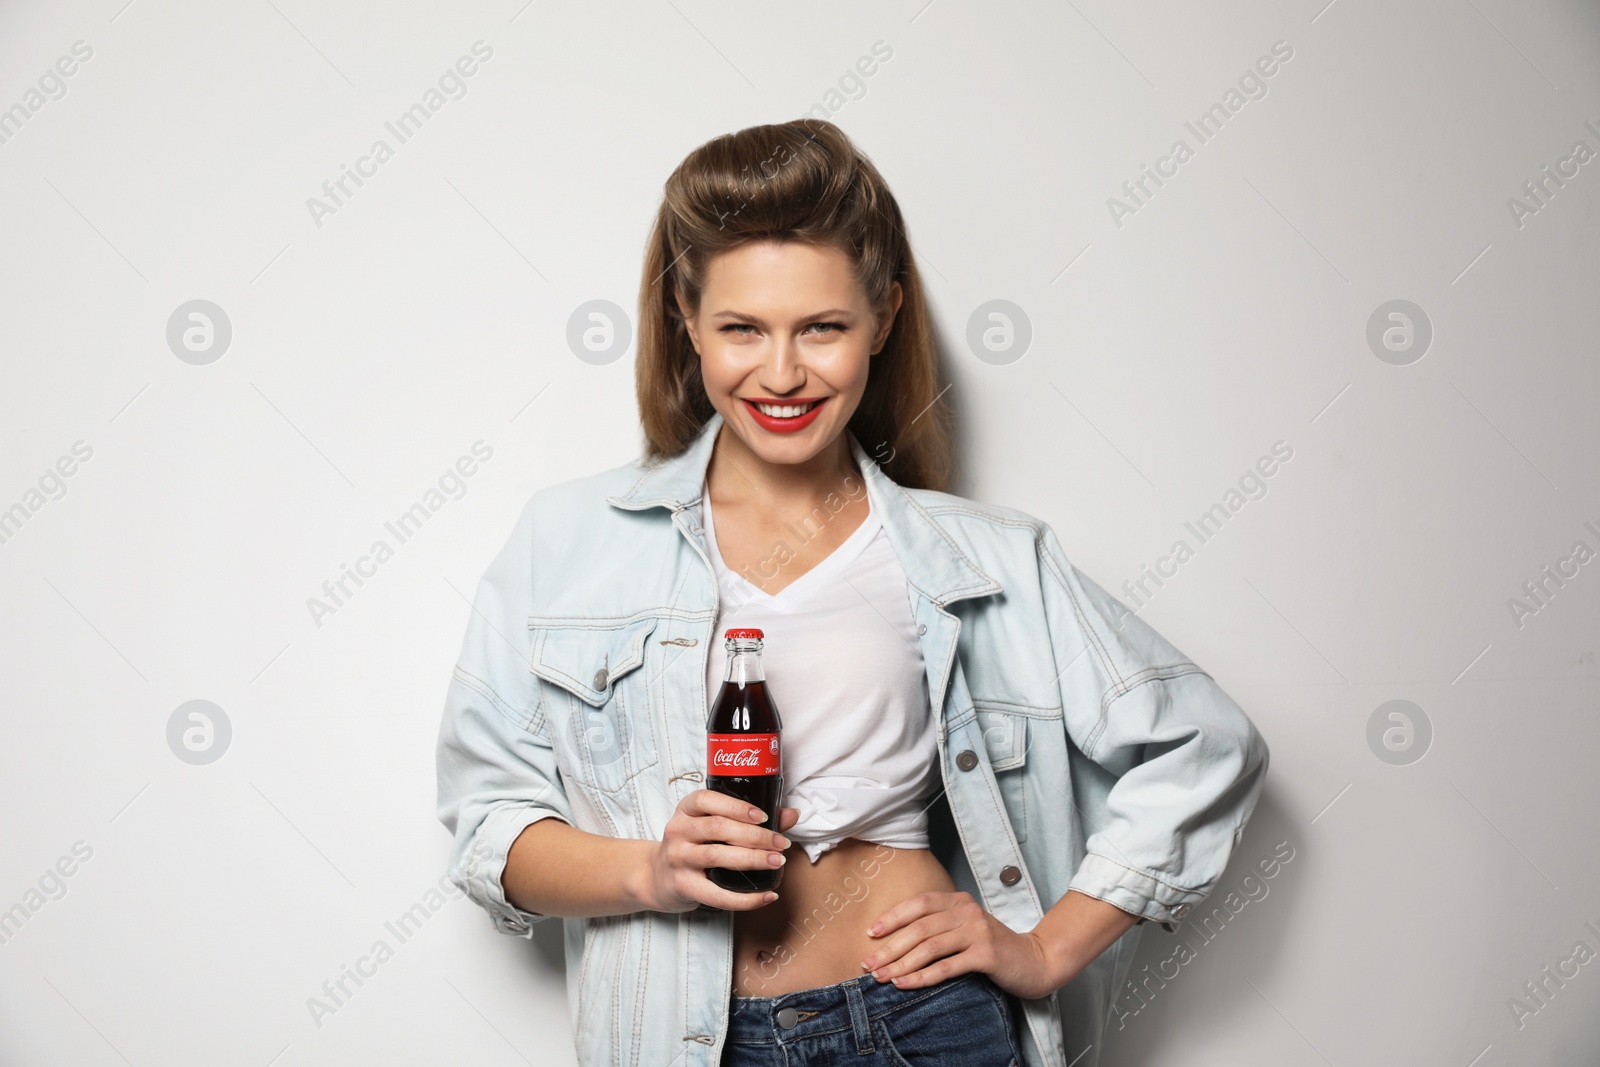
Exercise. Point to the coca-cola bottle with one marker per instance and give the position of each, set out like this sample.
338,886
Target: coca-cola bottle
743,755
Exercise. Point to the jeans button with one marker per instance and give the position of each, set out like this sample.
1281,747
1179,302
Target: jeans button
1010,875
787,1017
600,678
921,629
967,760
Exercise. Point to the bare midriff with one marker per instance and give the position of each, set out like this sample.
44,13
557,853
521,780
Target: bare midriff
815,933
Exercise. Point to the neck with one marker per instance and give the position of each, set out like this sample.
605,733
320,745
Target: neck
737,475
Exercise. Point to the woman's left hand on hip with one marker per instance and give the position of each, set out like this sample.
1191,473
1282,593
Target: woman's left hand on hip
933,936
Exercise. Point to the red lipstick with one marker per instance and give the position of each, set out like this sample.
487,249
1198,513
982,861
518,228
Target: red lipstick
781,425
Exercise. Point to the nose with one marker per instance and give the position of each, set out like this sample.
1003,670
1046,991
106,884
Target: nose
781,371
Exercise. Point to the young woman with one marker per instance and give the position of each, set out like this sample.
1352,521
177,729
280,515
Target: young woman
994,772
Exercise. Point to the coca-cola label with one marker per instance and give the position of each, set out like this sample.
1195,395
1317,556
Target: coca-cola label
742,755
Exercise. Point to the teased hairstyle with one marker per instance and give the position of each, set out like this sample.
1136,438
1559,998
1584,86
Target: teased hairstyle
795,181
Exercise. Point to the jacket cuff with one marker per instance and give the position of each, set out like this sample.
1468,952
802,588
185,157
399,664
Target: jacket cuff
480,873
1134,891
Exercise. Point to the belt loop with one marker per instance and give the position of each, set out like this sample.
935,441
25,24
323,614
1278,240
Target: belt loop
858,1014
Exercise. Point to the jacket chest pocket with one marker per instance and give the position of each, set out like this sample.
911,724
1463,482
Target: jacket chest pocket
609,721
1005,735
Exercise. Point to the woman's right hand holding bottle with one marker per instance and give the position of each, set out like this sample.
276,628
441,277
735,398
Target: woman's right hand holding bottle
713,829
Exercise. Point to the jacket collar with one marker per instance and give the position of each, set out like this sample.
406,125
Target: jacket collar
933,563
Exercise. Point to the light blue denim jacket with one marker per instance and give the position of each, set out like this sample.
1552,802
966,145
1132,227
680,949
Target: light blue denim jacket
1106,760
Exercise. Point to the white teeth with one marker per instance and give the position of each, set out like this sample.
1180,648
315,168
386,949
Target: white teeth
786,411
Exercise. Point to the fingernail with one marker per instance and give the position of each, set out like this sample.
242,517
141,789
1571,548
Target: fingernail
755,813
776,858
783,842
771,897
875,930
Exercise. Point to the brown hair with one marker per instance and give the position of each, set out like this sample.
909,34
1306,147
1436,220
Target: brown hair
794,181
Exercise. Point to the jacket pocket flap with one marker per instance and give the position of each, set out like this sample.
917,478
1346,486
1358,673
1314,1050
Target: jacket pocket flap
1005,734
585,656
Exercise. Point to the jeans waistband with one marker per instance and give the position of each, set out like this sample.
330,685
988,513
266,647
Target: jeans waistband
848,1005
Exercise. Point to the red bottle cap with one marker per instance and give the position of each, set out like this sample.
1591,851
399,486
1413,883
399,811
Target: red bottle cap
752,632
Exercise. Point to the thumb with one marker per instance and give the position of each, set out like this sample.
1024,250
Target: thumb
787,817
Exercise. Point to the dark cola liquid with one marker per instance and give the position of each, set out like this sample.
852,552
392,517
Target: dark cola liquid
743,728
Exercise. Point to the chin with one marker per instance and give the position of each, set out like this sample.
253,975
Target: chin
788,451
793,448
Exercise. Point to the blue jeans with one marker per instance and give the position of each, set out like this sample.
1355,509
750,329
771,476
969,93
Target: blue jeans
966,1020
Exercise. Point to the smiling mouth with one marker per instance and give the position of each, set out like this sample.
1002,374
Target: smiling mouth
792,416
776,410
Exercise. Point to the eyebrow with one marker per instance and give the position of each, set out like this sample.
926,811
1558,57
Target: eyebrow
742,317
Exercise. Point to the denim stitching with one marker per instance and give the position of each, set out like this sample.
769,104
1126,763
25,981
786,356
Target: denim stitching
954,594
614,622
1007,1022
634,648
889,1048
989,513
645,933
665,749
1152,877
487,691
591,784
590,934
1050,711
928,991
1093,639
1012,727
616,986
629,779
632,781
1090,633
1171,670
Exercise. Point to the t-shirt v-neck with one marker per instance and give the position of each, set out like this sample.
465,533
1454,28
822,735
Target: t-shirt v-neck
825,570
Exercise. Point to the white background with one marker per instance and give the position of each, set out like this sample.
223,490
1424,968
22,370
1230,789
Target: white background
1168,354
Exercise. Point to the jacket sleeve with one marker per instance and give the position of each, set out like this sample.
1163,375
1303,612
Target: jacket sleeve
496,765
1187,764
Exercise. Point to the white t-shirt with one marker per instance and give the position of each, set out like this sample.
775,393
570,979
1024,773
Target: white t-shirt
845,669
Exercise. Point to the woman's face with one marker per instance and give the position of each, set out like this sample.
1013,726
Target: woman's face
784,326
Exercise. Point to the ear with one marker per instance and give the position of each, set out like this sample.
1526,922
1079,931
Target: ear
896,297
688,321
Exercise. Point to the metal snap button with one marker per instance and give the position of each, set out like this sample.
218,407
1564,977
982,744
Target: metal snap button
1180,911
787,1018
601,678
967,760
921,629
1010,875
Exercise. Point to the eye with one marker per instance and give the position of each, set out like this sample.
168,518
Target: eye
736,326
834,327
